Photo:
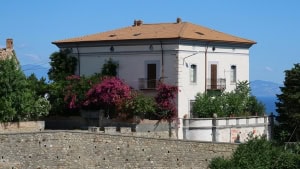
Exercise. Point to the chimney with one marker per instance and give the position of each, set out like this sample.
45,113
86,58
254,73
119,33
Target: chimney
134,23
139,22
9,44
178,20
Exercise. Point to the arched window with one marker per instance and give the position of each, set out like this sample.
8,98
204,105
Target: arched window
233,74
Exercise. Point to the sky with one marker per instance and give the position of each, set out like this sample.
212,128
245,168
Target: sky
274,25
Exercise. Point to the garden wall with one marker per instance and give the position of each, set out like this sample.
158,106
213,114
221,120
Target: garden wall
142,128
230,130
65,149
26,126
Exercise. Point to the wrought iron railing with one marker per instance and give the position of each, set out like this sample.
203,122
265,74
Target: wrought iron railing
145,83
216,84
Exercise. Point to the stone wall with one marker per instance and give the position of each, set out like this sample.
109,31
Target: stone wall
78,149
25,126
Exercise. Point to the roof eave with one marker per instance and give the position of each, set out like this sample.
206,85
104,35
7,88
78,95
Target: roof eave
246,42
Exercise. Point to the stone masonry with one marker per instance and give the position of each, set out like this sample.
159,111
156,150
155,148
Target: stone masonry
78,149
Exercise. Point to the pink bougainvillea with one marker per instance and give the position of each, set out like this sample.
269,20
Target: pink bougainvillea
71,91
76,88
165,101
109,93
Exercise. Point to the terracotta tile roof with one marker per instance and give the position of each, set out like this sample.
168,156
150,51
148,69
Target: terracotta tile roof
184,30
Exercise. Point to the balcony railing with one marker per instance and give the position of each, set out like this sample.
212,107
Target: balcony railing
145,83
216,84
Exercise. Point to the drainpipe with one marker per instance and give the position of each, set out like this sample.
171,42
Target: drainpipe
206,48
162,63
78,59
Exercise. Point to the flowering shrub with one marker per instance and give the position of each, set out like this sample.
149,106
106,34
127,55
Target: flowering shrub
165,102
76,88
108,94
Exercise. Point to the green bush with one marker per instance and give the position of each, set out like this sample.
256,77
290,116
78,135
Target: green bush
235,103
139,105
220,163
258,153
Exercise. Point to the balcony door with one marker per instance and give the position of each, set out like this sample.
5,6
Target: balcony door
151,75
213,76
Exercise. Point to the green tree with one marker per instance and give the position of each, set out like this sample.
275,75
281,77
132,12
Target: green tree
62,65
38,85
288,105
17,100
56,92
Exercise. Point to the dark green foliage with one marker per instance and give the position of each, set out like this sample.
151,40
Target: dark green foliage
258,153
255,107
18,100
12,84
62,65
56,91
254,154
220,163
139,105
109,68
235,103
288,105
38,85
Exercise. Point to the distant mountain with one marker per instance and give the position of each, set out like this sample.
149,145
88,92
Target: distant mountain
260,88
39,71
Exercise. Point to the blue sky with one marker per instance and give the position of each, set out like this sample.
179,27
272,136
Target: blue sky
274,25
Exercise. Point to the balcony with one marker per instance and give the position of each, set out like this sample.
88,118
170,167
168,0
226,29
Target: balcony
147,84
216,84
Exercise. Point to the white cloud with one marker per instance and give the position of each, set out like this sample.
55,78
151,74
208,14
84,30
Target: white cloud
269,69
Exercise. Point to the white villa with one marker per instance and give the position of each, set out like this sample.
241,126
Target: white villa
193,57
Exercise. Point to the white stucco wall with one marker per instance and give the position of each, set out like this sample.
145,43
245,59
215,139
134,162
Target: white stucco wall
132,61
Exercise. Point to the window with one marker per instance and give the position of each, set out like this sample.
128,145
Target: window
193,73
233,74
192,114
151,76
